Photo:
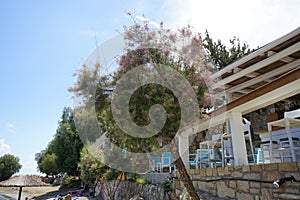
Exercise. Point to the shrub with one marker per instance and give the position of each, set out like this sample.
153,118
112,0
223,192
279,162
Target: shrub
73,182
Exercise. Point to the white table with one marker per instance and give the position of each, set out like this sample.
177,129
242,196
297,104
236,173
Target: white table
287,123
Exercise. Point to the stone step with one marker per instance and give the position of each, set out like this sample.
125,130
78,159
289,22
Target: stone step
289,196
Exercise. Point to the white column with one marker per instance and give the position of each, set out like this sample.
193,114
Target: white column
228,97
183,147
238,139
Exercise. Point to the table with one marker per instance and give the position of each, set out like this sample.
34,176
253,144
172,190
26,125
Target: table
287,123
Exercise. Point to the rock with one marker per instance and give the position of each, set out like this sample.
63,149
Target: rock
136,197
289,196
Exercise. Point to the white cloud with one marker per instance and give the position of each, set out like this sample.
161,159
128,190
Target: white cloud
4,148
29,166
92,33
143,19
257,22
10,127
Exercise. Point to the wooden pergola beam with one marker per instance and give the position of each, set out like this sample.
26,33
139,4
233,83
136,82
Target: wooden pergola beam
289,78
266,76
281,88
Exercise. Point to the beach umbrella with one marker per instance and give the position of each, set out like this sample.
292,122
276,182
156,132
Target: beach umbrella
21,181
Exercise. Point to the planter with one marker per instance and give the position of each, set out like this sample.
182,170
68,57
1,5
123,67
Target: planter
275,116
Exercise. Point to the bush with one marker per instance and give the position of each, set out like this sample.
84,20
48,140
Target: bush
141,180
167,185
73,182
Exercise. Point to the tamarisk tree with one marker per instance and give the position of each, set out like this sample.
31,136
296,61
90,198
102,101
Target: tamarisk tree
175,59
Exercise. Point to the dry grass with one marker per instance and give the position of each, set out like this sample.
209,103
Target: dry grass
40,193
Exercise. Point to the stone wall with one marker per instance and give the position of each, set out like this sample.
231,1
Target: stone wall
259,120
156,178
245,184
128,190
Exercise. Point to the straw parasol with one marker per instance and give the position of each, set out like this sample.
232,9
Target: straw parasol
22,181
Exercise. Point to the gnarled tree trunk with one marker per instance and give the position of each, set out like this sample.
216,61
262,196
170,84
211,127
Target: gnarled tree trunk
184,175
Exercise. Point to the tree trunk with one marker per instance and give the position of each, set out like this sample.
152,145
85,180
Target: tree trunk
185,177
187,182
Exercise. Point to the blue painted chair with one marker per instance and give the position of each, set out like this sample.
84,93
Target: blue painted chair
208,158
195,159
202,156
194,162
167,160
157,161
258,156
216,160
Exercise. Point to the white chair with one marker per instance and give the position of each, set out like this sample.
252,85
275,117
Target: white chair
247,132
287,122
292,114
227,152
202,156
205,153
265,150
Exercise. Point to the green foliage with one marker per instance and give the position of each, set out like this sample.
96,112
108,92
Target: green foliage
147,49
71,182
141,180
167,186
9,165
92,169
188,60
48,164
63,152
39,158
221,55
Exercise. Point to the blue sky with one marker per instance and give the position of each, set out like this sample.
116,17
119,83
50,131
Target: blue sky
44,42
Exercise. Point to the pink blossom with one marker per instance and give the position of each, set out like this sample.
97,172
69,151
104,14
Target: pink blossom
167,52
159,139
185,31
128,33
150,35
197,39
171,115
172,37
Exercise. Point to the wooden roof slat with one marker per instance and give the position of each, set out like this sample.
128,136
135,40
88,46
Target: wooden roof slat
266,76
253,74
284,80
286,52
288,59
290,36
